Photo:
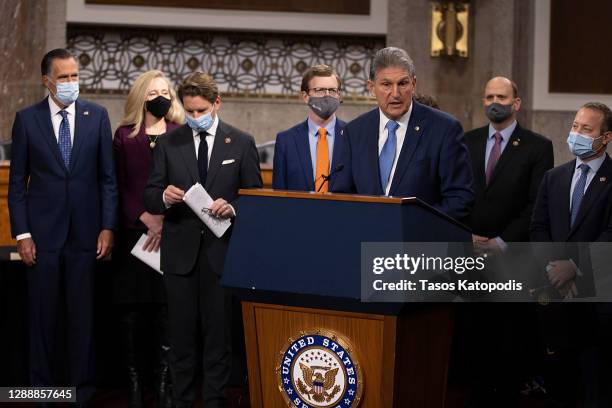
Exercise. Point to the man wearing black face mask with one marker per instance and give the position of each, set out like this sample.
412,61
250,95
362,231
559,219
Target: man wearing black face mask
508,163
307,154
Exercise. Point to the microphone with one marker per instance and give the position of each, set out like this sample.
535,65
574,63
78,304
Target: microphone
336,169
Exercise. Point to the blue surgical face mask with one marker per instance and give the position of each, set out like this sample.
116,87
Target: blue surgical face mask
67,92
581,145
202,123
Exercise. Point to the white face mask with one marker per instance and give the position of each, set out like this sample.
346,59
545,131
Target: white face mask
67,92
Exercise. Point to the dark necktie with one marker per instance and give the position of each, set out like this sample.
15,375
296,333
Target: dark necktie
203,158
493,157
65,145
579,192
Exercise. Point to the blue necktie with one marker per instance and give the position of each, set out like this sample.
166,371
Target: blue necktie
387,154
578,192
65,145
203,158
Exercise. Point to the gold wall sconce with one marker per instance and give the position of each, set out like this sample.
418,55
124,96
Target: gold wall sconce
449,28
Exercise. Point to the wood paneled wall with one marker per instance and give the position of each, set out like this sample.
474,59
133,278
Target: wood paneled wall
5,226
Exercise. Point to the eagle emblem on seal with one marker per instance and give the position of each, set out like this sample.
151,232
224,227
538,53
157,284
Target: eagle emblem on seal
319,382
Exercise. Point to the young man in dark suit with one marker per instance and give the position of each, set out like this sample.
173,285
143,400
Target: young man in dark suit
574,205
307,153
508,163
63,206
223,159
403,148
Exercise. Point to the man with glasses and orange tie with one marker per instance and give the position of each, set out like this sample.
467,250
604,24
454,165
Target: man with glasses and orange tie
306,157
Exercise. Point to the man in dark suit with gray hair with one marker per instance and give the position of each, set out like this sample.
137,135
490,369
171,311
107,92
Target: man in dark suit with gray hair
403,148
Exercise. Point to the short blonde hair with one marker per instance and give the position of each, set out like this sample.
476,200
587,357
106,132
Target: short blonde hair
133,114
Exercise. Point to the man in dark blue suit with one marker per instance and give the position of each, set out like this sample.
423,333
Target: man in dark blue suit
302,154
403,148
62,201
574,205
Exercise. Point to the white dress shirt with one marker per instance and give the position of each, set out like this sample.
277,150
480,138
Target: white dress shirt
400,133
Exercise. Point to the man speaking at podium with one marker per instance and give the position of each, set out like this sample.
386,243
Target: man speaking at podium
404,148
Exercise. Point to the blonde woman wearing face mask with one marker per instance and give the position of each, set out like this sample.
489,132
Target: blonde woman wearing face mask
151,111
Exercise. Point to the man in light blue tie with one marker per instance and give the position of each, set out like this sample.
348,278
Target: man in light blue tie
62,201
404,148
574,205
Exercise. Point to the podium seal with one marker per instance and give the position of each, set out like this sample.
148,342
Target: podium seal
318,369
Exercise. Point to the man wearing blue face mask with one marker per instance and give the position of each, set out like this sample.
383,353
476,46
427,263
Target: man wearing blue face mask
306,157
62,201
223,159
574,205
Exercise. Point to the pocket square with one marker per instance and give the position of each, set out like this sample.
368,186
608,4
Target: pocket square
229,161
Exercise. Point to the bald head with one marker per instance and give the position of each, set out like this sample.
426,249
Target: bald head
501,102
500,81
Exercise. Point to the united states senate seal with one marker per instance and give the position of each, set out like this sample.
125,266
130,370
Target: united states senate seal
319,369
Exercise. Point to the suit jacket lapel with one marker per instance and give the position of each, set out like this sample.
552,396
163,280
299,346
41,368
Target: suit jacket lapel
302,144
81,129
596,187
562,198
43,118
509,152
370,135
338,136
411,141
478,150
221,146
187,148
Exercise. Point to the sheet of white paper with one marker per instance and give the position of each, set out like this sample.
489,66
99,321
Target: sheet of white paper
150,258
198,199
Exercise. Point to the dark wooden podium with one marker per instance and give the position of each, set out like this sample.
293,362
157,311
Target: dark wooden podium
294,258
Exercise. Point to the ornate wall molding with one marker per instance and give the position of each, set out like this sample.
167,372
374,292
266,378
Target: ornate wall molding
248,64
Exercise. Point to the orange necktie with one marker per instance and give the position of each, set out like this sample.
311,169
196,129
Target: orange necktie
322,162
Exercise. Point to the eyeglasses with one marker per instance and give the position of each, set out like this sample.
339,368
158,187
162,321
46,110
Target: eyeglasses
323,91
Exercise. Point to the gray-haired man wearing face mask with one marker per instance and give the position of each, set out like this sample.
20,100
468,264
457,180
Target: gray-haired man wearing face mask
306,156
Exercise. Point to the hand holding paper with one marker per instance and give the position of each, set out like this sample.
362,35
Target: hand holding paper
200,202
151,258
